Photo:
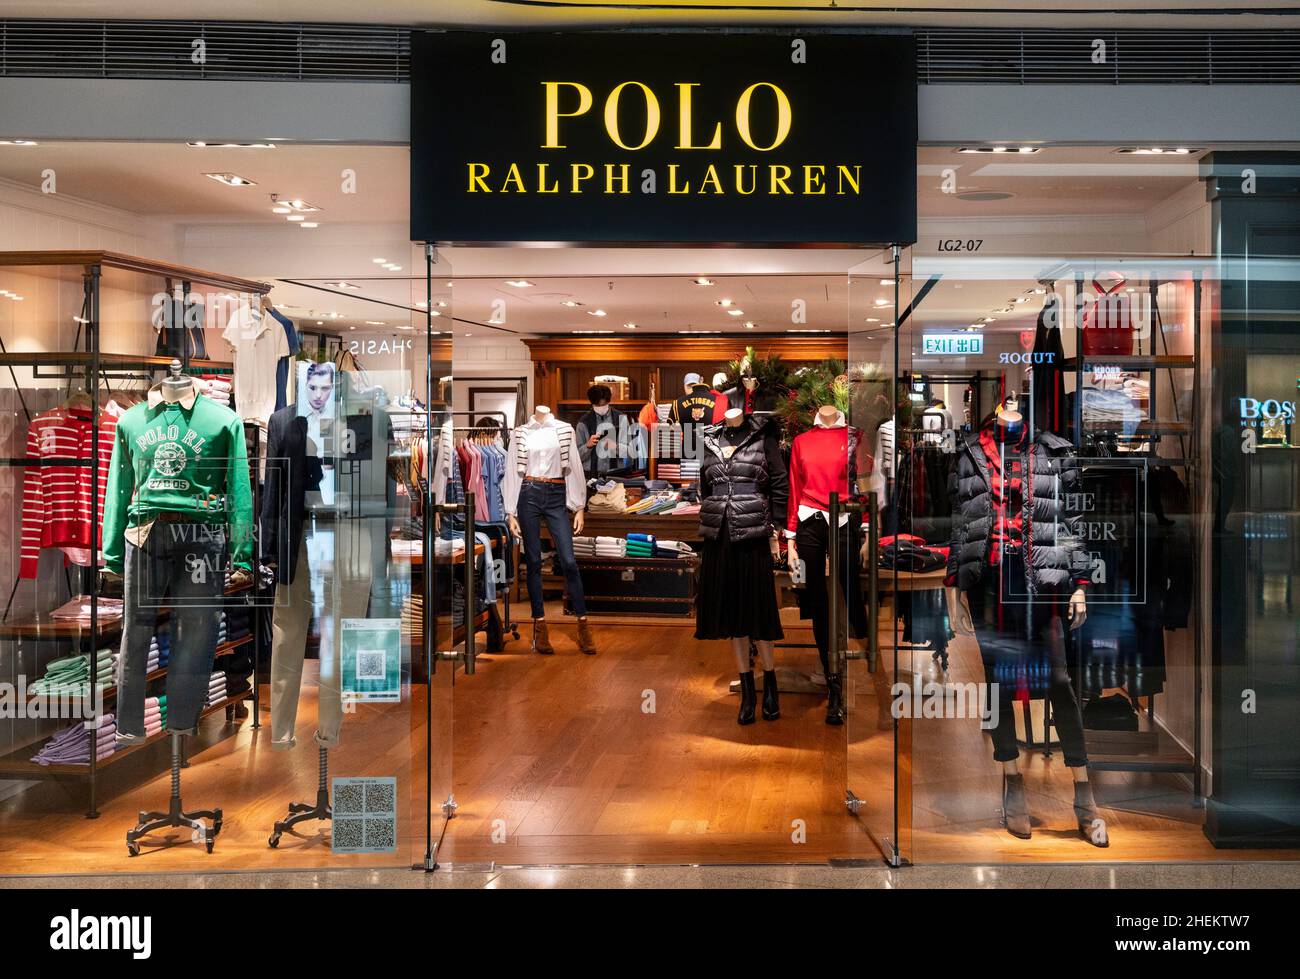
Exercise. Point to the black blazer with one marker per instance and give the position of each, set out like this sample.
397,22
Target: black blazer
284,491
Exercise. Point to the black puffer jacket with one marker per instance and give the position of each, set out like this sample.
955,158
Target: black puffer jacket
747,488
1055,558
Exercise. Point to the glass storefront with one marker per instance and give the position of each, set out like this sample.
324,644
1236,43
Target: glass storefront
1057,616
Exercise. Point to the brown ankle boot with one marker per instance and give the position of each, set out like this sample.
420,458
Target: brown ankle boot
541,639
586,641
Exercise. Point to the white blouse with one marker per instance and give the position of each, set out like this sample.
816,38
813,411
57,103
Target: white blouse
538,443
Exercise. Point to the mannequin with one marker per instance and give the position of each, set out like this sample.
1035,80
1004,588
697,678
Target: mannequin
1014,497
743,492
823,460
544,483
174,455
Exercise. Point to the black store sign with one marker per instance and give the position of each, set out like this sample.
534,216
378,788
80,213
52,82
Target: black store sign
622,138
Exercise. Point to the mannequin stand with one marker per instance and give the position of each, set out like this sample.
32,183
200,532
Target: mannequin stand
175,815
301,812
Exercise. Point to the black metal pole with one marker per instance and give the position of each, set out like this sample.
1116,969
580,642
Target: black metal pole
427,617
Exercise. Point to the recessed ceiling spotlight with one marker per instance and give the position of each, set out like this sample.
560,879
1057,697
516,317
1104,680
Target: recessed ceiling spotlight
749,324
570,302
309,224
990,319
519,283
422,304
872,319
629,326
883,302
441,304
281,210
596,312
351,327
380,261
231,179
17,142
320,322
375,323
735,312
886,282
1040,291
393,267
724,302
333,316
703,281
1156,150
295,217
298,204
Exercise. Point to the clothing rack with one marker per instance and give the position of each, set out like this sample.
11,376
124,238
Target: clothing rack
91,366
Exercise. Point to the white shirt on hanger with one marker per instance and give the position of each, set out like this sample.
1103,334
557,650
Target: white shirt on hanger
258,342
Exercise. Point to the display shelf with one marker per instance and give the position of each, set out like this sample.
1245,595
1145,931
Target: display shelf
18,764
110,693
42,627
82,358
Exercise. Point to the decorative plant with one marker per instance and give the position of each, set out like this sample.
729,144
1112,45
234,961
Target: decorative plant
825,383
771,371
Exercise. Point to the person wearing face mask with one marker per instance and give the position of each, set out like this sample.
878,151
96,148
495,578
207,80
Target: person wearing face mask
606,437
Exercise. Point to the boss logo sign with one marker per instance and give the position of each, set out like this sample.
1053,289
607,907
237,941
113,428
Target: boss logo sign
1254,412
605,137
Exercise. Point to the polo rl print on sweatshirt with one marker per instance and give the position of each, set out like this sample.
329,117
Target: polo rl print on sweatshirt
174,458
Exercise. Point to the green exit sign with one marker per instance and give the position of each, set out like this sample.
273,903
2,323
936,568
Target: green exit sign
952,344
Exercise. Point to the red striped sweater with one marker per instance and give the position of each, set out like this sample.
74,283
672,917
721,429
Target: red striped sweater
56,498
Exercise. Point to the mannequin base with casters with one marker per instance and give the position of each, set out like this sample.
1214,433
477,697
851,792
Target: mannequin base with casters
301,812
176,816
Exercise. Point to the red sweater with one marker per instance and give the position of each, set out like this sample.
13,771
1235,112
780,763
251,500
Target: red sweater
819,466
56,498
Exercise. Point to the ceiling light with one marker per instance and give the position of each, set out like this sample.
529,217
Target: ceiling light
309,224
749,324
1155,150
375,323
596,312
735,312
703,281
333,316
17,142
298,204
886,282
380,261
872,319
998,149
422,304
519,283
724,302
570,302
883,302
15,297
630,326
990,319
320,322
281,210
1040,291
1021,299
587,331
351,327
393,268
435,313
231,179
295,217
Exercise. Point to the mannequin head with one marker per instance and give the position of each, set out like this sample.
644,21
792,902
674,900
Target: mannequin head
734,417
828,414
541,413
750,382
719,379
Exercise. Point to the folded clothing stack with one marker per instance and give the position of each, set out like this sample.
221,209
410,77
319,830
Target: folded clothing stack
584,547
608,498
690,470
669,471
684,509
236,622
105,668
217,388
673,548
71,746
611,547
69,676
656,503
155,716
216,688
79,609
640,545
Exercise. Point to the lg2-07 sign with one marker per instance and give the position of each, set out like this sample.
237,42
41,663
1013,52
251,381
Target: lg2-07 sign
791,138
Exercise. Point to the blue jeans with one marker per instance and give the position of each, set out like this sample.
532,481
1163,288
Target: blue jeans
546,501
182,566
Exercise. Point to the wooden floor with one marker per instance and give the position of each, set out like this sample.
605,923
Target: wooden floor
629,757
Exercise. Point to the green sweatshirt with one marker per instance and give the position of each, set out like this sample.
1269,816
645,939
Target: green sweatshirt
173,459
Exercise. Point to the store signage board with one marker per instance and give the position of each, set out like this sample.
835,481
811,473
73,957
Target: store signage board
791,138
951,344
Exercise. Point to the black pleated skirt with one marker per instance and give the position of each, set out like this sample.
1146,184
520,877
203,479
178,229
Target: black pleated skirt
737,591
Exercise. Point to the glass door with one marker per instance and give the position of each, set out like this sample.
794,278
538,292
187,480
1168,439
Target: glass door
878,792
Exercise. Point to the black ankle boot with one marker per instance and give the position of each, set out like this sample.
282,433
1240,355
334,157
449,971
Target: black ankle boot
771,698
834,699
748,698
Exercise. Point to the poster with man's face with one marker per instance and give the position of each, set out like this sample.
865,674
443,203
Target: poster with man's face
316,402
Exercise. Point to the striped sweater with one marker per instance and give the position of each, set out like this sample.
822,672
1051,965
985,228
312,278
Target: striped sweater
57,491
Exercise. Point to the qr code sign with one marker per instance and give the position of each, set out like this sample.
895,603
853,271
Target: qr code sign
370,664
365,815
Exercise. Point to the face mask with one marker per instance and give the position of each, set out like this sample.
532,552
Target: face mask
601,410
